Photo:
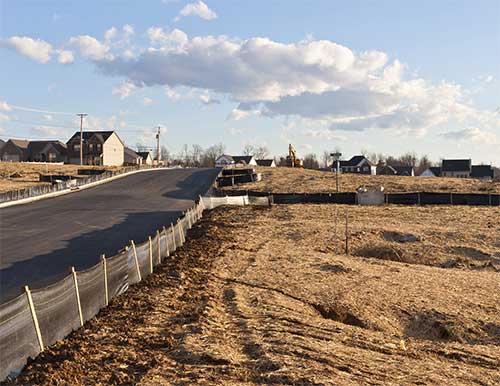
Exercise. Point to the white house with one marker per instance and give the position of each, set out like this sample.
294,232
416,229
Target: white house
146,158
225,160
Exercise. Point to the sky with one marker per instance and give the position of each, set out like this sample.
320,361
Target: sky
379,76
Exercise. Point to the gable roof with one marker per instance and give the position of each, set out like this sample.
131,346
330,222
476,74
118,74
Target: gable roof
131,153
481,171
21,143
144,154
39,146
403,170
354,161
102,136
242,158
436,170
456,165
264,162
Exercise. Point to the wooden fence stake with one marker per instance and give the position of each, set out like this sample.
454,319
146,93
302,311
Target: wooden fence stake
33,316
158,243
75,280
150,255
346,232
167,249
105,268
188,216
136,260
173,236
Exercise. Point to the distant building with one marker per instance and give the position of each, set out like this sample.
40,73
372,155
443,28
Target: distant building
393,170
2,143
131,158
482,172
15,150
47,151
357,164
146,158
99,148
459,168
271,163
433,171
225,160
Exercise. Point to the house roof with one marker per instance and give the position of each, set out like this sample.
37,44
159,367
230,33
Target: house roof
101,135
354,161
436,170
38,146
403,170
264,162
481,171
456,165
131,153
21,143
144,154
242,158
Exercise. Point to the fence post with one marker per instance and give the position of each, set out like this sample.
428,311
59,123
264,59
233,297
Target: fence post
173,236
105,269
150,255
489,199
75,281
167,249
188,216
34,317
159,245
136,260
346,232
418,198
451,198
179,232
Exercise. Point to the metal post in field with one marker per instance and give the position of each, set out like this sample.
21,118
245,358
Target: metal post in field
77,292
346,232
105,269
34,317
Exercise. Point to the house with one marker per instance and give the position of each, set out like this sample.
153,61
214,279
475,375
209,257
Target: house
131,158
146,158
46,151
433,171
266,162
482,172
99,148
2,143
357,164
394,170
15,150
460,168
225,160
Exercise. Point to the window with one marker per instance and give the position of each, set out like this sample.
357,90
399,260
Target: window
91,147
76,147
98,146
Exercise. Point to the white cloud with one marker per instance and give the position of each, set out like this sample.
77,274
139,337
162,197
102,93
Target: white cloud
65,57
110,33
235,130
206,99
4,117
146,101
172,94
199,9
91,48
37,50
237,114
4,106
48,117
472,134
124,90
325,134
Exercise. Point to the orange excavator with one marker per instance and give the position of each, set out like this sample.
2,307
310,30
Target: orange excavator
293,161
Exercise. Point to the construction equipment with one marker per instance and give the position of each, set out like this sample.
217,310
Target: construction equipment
293,161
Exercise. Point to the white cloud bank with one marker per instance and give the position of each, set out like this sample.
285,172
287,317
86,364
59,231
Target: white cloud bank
199,9
38,50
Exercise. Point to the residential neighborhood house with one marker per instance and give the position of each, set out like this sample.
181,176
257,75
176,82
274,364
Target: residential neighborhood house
46,151
459,168
225,160
394,170
483,172
146,158
15,150
357,164
99,148
131,158
266,162
433,171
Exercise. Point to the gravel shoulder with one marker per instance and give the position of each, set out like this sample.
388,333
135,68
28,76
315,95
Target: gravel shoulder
266,296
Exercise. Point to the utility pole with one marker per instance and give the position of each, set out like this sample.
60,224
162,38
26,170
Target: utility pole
336,157
81,136
158,145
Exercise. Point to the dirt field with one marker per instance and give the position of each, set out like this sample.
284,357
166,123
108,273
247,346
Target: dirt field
19,175
266,297
293,180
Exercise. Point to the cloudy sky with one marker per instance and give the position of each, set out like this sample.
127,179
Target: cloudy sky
384,76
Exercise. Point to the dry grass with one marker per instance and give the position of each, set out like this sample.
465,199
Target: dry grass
265,296
293,180
19,175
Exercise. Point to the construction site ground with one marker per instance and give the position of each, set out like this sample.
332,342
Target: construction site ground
20,175
298,180
267,296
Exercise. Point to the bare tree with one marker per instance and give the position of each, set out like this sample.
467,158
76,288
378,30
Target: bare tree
248,150
196,154
310,161
165,154
261,152
211,154
325,159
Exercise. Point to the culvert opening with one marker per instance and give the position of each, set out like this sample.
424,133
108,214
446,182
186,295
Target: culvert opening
339,314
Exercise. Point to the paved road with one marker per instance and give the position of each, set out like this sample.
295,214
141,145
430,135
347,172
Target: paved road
39,241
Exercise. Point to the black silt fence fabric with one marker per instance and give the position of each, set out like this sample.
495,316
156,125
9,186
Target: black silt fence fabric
18,340
471,199
57,310
402,198
117,272
91,286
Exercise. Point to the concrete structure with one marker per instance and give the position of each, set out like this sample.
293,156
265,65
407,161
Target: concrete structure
99,148
15,150
459,168
357,164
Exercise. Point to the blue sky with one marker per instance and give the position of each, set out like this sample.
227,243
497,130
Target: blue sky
385,76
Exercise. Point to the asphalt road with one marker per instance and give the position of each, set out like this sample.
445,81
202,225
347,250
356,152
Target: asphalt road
41,240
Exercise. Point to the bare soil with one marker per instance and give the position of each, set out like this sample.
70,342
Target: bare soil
20,175
262,296
296,180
